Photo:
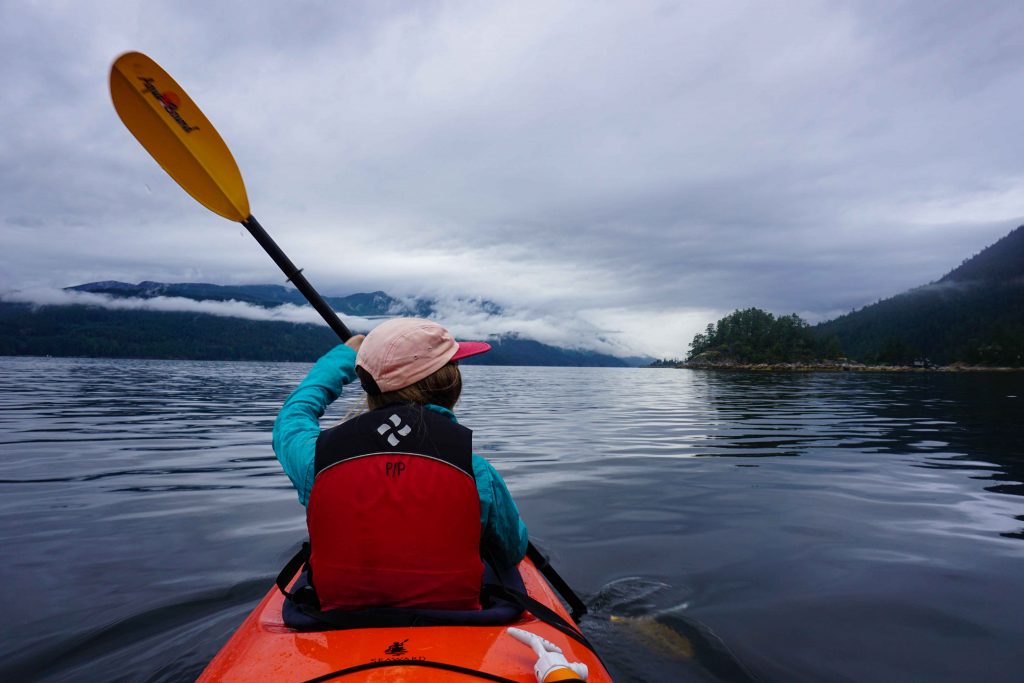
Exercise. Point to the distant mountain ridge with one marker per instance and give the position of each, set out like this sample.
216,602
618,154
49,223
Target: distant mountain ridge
368,304
973,314
97,331
1000,262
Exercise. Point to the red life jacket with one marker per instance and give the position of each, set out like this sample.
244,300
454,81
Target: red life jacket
394,513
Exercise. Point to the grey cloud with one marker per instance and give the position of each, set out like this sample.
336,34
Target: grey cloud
653,157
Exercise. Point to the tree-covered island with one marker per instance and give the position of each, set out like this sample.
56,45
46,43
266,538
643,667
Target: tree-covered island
752,337
971,318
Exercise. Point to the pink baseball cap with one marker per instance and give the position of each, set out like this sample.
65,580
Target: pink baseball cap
403,351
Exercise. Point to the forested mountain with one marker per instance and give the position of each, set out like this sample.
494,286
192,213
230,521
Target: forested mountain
96,331
753,336
999,262
269,296
973,314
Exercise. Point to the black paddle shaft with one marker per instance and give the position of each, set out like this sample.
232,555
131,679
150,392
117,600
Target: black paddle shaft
577,608
296,277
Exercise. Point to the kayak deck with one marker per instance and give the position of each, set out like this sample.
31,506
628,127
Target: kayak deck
264,649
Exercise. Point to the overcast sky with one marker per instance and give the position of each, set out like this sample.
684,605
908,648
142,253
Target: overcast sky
622,171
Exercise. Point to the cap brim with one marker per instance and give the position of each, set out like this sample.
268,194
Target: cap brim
467,349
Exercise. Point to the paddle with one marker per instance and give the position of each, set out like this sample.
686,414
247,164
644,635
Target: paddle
577,608
165,120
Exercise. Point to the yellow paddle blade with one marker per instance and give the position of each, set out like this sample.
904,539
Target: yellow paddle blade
657,637
170,126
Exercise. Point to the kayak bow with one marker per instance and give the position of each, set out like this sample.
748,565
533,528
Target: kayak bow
264,648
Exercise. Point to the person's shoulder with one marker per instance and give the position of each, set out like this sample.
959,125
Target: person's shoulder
482,466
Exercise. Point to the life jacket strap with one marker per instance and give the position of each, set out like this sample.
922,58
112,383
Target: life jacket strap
305,595
305,599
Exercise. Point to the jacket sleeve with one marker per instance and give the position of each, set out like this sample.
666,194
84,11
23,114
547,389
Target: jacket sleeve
298,423
503,533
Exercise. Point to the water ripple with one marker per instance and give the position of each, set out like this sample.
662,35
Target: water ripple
773,526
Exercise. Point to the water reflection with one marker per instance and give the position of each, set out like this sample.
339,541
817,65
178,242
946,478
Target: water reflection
772,526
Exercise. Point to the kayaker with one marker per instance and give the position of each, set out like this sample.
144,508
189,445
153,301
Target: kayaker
399,507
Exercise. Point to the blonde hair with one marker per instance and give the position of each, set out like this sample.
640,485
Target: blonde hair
443,387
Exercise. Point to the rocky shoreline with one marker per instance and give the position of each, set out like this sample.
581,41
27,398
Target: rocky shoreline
837,366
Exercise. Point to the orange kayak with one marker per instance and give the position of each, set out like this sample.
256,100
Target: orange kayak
265,649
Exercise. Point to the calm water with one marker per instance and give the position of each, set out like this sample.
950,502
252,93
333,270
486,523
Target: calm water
770,527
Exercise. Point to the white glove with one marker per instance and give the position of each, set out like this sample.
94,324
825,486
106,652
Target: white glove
549,656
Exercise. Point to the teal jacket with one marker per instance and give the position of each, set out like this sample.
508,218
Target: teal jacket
297,427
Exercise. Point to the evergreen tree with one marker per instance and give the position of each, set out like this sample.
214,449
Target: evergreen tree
755,336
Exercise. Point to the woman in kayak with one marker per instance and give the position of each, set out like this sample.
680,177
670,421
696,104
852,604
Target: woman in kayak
398,506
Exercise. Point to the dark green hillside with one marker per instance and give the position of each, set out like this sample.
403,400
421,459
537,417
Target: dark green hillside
753,336
974,314
92,331
513,350
999,262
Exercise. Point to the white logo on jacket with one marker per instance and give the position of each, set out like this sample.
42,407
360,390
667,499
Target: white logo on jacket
400,431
